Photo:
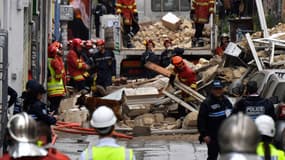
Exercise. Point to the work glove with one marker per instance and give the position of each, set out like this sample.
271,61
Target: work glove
172,79
136,17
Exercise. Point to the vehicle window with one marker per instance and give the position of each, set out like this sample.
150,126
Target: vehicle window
169,5
279,91
268,85
259,77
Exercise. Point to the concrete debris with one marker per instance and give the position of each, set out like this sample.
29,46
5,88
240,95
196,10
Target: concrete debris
137,109
190,121
145,120
171,21
75,115
158,32
229,74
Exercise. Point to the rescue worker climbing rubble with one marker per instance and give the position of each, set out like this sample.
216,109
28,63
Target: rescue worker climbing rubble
56,78
185,75
266,150
200,13
104,120
129,14
76,66
238,138
213,111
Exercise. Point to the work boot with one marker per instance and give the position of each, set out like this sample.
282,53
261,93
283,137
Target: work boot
200,42
194,42
130,45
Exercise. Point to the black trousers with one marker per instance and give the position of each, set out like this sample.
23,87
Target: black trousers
213,149
54,103
133,29
199,30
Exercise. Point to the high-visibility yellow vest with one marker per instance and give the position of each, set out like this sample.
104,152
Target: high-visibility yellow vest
275,153
109,153
54,86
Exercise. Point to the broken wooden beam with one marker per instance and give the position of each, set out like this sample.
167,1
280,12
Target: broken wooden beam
179,101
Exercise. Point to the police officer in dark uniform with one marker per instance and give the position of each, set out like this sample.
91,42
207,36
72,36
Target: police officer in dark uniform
253,105
37,109
105,65
213,111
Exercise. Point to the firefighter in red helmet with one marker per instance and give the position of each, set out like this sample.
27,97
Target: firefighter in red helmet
149,55
200,13
56,78
166,55
76,66
128,11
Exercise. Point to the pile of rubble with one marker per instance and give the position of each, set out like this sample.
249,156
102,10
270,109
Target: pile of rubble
158,33
147,105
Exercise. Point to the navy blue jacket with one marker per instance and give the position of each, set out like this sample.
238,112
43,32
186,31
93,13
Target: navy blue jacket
39,112
253,106
213,111
105,65
149,56
165,58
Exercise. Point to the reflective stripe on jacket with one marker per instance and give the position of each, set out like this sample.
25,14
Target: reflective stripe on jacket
110,153
55,87
275,153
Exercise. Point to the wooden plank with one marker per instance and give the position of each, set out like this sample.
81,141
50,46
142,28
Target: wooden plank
158,69
179,101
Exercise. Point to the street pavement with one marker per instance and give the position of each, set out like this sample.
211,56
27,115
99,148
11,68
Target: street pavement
158,148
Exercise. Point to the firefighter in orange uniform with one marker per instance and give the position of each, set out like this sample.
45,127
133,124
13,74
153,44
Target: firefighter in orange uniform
56,77
200,13
128,10
225,39
76,66
185,75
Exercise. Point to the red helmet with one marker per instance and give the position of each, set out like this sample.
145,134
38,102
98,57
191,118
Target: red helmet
146,42
88,44
52,51
57,44
76,42
177,60
167,41
100,42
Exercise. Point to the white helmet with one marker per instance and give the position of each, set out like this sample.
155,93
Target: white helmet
103,117
265,125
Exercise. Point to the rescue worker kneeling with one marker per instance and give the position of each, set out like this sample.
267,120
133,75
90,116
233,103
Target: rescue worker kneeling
266,150
104,120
